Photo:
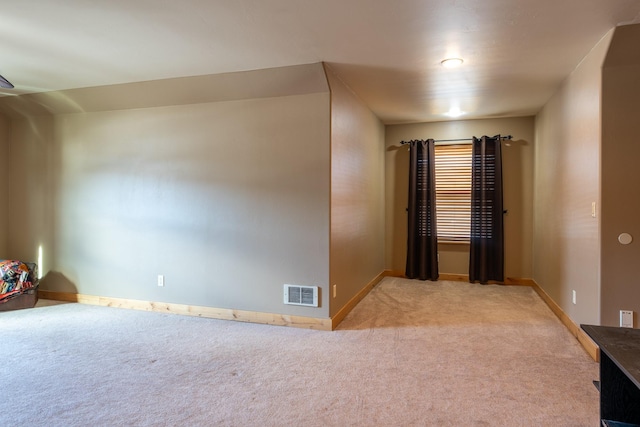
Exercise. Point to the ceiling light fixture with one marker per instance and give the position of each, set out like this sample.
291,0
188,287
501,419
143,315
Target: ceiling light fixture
5,83
451,62
454,112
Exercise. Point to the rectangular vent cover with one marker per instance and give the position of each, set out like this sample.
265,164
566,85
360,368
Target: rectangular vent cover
301,295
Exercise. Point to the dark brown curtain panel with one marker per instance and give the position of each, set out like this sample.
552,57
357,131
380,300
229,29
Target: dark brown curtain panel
422,241
486,258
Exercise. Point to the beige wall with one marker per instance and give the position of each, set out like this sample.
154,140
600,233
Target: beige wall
228,200
357,194
5,175
567,181
33,161
518,188
620,269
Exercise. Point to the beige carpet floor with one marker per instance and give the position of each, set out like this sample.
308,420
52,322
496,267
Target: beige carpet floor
410,354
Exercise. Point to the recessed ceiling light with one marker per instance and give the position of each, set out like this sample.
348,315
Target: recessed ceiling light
454,112
451,62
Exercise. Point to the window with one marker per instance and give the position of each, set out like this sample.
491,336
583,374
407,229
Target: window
453,192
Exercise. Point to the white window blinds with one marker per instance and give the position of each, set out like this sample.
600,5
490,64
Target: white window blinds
453,192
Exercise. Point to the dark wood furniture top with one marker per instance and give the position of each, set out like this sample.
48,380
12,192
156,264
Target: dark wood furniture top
619,374
622,345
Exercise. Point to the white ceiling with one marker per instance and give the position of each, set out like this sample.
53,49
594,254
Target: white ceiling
516,52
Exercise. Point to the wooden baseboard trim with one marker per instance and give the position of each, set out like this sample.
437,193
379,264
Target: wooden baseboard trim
518,281
394,273
193,310
508,281
590,347
454,277
302,321
339,317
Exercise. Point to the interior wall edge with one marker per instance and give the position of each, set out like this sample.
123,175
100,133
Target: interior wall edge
619,207
350,305
357,194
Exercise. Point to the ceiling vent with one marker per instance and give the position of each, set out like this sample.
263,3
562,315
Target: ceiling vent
301,295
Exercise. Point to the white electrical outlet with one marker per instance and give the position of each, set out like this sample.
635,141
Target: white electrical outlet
160,280
573,298
335,290
626,319
593,209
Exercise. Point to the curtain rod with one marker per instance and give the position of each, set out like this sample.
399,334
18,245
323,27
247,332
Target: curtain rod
509,137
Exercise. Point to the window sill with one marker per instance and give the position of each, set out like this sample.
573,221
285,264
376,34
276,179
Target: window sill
453,242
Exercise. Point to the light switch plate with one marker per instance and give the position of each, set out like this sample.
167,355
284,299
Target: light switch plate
626,319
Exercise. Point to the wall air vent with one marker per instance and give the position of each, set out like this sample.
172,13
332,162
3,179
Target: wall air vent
301,295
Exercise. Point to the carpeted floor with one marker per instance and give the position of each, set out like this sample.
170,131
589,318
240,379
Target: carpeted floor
410,354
